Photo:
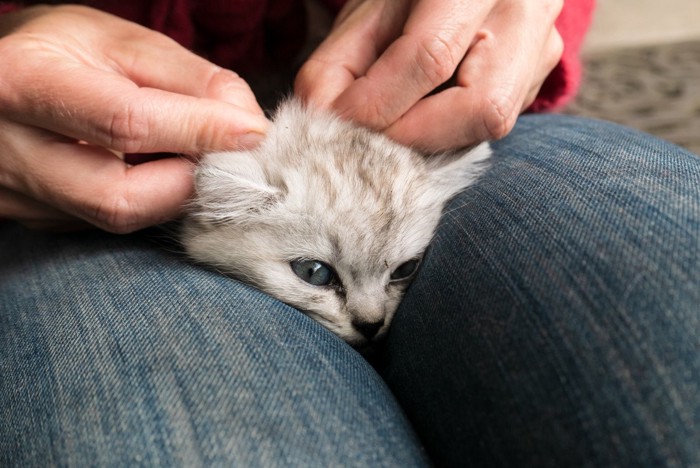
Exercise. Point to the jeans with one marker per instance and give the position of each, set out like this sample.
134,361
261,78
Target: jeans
555,322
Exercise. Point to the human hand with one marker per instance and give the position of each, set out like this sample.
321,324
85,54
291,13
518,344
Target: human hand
383,60
78,86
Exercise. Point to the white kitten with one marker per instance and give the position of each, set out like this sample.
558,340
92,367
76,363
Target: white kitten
325,216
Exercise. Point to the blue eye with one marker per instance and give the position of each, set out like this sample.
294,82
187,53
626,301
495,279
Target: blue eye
405,270
313,272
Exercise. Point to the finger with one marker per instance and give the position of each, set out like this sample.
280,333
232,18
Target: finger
179,71
122,198
96,186
433,43
494,84
35,215
122,116
361,33
119,114
147,57
29,211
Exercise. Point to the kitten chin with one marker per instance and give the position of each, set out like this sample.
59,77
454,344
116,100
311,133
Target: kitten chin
325,216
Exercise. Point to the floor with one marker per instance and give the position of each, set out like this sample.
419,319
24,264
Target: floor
625,23
642,68
652,88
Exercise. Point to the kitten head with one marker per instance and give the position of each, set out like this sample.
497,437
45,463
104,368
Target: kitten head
327,217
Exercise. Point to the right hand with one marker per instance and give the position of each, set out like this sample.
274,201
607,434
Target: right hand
78,86
384,61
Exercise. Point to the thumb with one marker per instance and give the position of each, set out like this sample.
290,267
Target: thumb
181,73
127,116
152,120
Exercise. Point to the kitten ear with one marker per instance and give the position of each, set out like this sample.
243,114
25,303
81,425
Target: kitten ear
232,188
456,170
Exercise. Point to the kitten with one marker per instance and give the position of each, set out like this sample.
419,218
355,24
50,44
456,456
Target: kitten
327,217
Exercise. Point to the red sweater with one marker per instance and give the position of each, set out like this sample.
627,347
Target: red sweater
248,35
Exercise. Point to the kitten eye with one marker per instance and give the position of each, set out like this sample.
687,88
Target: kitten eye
313,272
405,270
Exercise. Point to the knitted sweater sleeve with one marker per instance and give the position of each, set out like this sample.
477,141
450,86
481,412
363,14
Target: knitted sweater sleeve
7,7
563,82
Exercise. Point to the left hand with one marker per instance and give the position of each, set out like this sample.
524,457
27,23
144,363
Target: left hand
78,85
384,58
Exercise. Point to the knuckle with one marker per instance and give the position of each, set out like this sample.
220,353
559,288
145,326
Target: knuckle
128,129
499,114
115,214
221,80
437,58
310,69
15,69
209,138
553,7
309,77
556,49
375,115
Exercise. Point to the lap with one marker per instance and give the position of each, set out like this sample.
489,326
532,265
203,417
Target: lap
556,318
115,351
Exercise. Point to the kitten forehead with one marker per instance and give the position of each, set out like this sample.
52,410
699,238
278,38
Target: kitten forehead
343,167
363,198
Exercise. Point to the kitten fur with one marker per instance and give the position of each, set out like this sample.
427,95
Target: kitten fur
322,189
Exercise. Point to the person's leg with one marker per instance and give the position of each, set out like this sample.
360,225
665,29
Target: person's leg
556,319
116,352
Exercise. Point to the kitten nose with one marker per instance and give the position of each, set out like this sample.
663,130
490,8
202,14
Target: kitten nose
367,329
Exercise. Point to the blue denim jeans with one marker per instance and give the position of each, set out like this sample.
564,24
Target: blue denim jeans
555,322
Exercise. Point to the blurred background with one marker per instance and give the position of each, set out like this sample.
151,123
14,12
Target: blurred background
642,68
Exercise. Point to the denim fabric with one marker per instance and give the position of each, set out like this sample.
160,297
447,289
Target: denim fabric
556,319
114,352
555,322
